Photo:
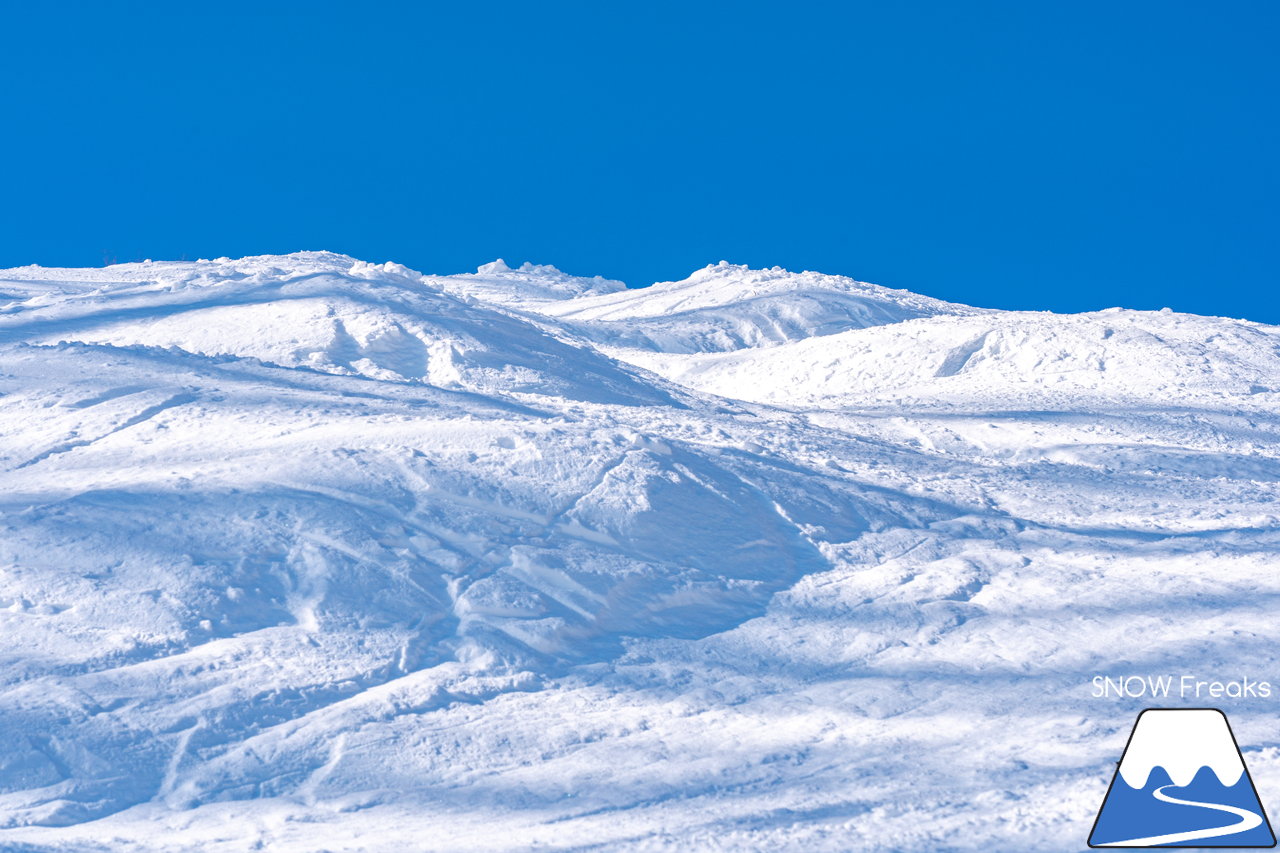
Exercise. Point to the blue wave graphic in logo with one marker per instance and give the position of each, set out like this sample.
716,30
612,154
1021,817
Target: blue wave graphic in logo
1205,813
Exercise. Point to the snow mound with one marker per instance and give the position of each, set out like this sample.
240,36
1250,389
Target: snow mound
727,307
1007,356
313,310
526,287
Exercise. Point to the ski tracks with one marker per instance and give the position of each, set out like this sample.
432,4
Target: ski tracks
175,400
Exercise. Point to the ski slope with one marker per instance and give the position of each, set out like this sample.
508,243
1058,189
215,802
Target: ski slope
304,553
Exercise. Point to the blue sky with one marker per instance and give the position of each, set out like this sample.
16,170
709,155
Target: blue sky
1066,156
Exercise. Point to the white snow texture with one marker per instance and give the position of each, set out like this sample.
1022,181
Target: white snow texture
302,553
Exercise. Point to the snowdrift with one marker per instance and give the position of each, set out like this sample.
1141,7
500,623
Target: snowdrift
315,310
727,307
1027,357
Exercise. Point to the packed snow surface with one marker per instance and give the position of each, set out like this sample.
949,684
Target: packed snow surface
305,553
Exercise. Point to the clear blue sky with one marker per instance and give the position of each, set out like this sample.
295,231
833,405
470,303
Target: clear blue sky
1021,154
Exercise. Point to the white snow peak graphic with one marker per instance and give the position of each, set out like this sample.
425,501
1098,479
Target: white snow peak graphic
1181,780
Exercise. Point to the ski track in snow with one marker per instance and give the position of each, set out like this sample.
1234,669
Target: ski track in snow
305,553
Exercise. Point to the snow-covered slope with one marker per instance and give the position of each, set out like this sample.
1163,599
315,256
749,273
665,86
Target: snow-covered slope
303,553
1002,357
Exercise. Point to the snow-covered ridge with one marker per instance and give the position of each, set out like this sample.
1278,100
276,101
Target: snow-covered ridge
331,312
725,307
526,286
316,310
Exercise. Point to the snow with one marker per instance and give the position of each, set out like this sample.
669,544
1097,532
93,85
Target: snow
323,312
1036,358
726,307
529,285
301,552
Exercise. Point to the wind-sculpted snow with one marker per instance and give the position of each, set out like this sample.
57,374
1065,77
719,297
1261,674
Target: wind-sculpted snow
1001,357
304,553
721,308
327,312
526,286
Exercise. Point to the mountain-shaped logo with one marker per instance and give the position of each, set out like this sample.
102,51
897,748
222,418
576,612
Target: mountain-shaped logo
1182,783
